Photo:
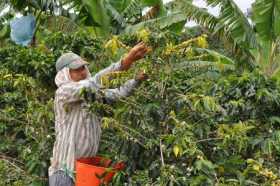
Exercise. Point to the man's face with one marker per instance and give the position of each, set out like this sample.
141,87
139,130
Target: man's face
78,74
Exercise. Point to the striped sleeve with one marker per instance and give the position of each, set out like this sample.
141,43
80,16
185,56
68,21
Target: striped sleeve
123,91
112,68
70,92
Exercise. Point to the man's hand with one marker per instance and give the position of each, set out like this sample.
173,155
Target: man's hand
136,53
141,76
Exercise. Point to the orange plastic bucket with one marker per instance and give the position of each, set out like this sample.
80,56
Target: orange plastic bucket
93,171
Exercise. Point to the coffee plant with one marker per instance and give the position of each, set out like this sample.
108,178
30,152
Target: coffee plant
196,120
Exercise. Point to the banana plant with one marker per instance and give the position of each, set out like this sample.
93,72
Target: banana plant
266,17
34,7
257,40
108,16
175,18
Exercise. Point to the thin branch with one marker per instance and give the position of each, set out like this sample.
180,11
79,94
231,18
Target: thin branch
208,139
161,153
11,161
3,156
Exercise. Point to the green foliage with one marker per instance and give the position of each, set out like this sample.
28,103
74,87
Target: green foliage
33,62
25,119
189,124
184,128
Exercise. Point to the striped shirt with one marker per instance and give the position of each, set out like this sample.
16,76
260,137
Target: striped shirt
77,130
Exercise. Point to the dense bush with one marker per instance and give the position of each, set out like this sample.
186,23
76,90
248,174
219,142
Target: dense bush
191,123
188,128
